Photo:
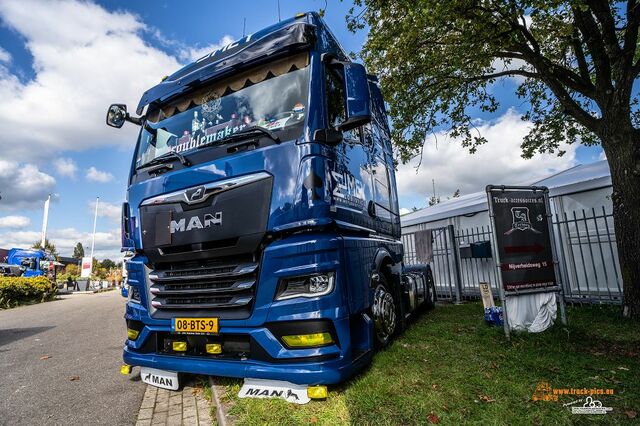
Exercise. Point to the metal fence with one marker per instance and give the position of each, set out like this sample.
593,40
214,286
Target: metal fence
585,245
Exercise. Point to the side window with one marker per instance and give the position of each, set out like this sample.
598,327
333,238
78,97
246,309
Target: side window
336,112
335,98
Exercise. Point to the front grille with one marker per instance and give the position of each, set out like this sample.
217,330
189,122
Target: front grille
221,290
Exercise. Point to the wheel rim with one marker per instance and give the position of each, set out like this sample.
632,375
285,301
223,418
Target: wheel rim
384,313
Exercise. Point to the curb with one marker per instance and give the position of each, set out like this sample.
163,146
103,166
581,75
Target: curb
221,416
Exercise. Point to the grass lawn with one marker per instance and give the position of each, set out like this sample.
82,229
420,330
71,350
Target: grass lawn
450,368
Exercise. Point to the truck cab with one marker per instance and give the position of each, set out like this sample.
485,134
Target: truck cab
262,214
33,262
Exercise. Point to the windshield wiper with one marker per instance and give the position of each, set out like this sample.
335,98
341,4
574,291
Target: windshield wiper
257,129
243,134
165,158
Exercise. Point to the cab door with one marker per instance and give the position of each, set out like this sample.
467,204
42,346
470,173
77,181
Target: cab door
376,135
350,173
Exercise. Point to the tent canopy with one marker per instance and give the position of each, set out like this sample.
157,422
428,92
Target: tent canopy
579,178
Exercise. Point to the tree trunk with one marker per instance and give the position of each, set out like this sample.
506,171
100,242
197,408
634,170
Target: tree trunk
622,146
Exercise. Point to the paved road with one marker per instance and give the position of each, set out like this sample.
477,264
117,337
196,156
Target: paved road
80,382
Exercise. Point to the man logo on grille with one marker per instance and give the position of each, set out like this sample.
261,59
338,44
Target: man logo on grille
195,194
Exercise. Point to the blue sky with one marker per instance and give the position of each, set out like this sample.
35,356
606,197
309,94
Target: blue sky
61,64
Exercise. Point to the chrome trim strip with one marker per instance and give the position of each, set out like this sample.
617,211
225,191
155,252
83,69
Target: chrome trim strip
209,188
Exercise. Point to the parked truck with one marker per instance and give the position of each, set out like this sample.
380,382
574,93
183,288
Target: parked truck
32,262
262,212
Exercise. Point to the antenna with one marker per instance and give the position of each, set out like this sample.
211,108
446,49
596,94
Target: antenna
278,10
433,183
244,26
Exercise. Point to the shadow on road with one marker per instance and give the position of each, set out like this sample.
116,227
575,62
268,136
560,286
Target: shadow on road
11,335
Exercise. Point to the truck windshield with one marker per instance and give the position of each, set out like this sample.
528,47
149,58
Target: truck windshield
273,97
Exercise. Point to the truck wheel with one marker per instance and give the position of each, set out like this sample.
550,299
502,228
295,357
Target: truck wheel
385,314
431,291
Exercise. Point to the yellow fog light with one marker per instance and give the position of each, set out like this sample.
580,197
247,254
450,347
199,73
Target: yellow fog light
125,369
132,334
179,346
317,392
214,348
307,340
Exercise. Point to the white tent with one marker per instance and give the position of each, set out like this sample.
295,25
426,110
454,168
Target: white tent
583,186
583,232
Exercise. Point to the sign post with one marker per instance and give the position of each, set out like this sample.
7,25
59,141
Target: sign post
523,243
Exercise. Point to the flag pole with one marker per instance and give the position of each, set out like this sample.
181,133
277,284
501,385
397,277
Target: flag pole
93,239
45,220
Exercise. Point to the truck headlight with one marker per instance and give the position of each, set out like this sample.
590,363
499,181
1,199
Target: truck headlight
305,286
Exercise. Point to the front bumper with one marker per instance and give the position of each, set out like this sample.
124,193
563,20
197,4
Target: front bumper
311,373
267,357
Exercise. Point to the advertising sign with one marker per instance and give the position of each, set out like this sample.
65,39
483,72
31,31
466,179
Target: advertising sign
523,240
87,265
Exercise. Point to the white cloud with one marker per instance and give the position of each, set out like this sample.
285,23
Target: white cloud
23,186
14,222
112,211
404,210
65,167
65,239
89,59
497,162
190,54
5,57
96,175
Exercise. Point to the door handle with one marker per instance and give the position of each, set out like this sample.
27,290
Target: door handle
371,208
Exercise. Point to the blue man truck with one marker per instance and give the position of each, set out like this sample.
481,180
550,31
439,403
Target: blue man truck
32,262
262,212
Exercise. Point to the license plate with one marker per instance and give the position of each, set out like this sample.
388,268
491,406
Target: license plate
195,325
160,378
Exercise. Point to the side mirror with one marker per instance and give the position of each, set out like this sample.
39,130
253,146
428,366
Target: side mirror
357,97
116,115
328,136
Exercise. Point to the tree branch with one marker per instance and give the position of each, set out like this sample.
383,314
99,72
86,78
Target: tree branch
485,77
631,34
603,14
579,52
571,106
592,37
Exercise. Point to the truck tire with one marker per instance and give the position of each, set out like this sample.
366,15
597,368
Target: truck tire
430,303
384,312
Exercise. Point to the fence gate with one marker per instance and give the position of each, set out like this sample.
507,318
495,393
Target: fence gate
585,244
442,254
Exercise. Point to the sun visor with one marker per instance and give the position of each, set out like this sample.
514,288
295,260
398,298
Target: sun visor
229,85
249,51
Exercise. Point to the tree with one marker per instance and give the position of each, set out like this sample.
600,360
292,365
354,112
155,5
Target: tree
72,269
576,63
78,251
108,264
48,246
